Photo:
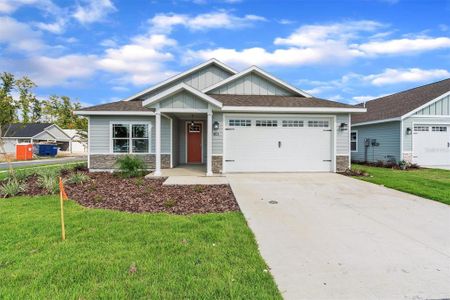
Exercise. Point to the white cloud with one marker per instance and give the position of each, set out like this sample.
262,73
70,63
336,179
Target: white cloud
212,20
19,36
393,76
56,27
9,6
401,46
94,11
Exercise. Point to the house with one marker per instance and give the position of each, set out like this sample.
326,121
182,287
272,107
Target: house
248,121
78,143
33,133
412,125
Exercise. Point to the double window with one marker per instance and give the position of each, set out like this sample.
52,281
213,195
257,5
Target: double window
439,128
354,141
318,123
292,123
266,123
130,138
239,123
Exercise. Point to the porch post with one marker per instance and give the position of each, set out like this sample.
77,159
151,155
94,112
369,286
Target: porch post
157,141
209,143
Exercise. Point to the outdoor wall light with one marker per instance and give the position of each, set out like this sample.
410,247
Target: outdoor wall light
408,131
216,125
343,126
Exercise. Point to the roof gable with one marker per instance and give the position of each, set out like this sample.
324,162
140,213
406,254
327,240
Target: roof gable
199,77
254,81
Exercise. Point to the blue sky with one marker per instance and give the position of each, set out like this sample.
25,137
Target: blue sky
105,50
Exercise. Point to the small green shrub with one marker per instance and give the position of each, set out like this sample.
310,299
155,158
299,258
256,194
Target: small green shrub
97,198
169,203
77,178
130,166
199,188
49,182
12,187
139,181
149,189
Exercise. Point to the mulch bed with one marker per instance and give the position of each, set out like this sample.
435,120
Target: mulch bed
110,191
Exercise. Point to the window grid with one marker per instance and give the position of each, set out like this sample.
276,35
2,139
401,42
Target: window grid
354,141
318,123
130,138
421,128
439,128
240,123
266,123
292,123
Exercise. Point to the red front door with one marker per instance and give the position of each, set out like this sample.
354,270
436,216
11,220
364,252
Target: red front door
194,142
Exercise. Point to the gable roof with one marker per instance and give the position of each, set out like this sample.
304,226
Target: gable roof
212,61
400,104
24,130
263,74
118,106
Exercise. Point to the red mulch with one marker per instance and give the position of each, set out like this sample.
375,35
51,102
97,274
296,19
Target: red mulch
110,191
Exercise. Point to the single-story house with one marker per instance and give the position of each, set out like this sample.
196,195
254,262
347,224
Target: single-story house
248,121
78,143
33,133
413,125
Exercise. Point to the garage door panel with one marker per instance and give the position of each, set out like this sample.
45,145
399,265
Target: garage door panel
278,149
431,144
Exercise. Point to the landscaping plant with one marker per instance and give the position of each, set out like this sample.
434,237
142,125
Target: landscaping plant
12,187
130,166
77,178
49,182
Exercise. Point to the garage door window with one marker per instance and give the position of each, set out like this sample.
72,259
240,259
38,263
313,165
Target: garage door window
439,128
266,123
292,123
318,123
240,123
421,128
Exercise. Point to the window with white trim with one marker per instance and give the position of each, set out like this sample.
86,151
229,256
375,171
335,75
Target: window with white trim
421,128
318,123
239,123
439,128
266,123
354,141
130,138
292,123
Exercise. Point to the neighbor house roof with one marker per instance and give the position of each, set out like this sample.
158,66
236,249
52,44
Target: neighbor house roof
402,103
24,130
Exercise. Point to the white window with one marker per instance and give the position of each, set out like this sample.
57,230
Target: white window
240,123
439,128
354,141
130,138
292,123
266,123
421,128
318,123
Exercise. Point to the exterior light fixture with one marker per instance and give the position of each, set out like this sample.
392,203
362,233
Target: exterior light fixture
216,125
408,131
343,126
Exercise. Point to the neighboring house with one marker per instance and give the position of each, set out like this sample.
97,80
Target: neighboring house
412,125
78,143
234,122
33,133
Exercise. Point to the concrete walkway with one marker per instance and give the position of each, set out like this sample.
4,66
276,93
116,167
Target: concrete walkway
326,236
47,161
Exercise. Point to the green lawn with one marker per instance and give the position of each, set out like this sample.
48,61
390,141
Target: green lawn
36,168
211,256
428,183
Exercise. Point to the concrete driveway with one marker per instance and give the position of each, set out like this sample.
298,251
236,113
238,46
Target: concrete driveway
330,236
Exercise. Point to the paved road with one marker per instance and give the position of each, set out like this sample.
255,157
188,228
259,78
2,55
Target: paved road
334,237
20,164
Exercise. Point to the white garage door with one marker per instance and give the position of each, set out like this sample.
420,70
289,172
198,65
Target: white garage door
431,145
281,144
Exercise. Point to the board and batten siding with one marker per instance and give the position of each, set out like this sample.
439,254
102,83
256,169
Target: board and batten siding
387,135
184,100
99,135
342,136
251,84
438,108
199,80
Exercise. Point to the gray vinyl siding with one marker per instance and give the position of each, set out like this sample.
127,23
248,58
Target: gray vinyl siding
199,80
56,132
387,135
409,122
9,145
217,138
342,136
175,142
251,84
44,136
99,132
184,100
439,108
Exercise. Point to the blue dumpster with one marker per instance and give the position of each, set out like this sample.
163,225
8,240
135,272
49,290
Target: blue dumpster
47,150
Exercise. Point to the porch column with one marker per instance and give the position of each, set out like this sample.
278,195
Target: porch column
157,141
209,143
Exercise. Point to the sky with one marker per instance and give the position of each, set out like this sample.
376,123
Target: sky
100,51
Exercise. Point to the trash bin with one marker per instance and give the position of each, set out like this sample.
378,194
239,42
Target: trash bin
47,149
24,151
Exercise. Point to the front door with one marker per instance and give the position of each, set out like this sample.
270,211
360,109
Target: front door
194,142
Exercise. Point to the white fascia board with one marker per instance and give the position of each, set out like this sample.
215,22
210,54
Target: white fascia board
377,122
425,105
264,75
175,90
272,109
113,113
180,75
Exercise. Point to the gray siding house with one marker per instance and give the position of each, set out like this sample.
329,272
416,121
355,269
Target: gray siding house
412,125
228,121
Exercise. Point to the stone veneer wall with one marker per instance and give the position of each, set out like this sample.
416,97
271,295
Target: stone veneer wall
107,161
217,164
342,163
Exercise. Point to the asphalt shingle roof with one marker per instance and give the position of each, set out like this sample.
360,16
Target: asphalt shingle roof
24,130
118,106
399,104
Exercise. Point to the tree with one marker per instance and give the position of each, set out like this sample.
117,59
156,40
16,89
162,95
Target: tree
27,100
59,110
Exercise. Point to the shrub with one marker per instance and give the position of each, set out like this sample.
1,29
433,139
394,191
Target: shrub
199,188
12,187
97,198
130,166
77,178
169,203
49,182
139,181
